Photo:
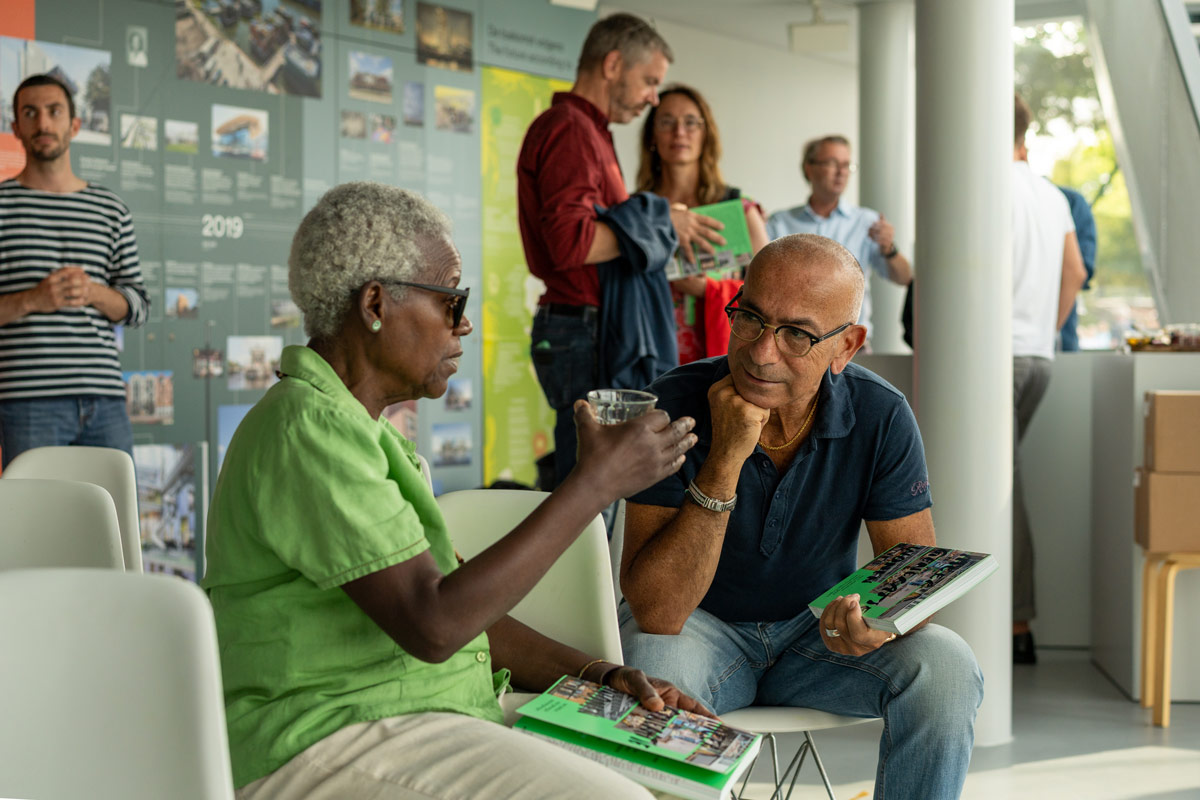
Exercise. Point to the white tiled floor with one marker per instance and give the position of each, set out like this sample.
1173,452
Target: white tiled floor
1075,737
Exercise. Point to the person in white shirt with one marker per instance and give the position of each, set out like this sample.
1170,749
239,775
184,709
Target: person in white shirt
1047,273
866,233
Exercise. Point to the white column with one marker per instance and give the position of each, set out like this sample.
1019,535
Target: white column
963,365
884,149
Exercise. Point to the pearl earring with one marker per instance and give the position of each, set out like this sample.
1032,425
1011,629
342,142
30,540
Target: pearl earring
376,326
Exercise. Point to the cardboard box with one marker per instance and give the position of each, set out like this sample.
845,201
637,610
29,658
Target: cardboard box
1166,511
1172,441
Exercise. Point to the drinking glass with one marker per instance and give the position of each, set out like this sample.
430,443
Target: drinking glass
613,406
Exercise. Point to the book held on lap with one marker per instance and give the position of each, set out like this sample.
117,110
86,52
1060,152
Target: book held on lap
686,754
909,582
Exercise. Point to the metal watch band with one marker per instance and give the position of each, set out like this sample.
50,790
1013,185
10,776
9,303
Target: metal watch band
704,501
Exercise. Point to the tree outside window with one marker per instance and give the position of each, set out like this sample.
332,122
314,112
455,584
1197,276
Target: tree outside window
1070,143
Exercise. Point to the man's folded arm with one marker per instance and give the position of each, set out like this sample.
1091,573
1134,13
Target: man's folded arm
668,561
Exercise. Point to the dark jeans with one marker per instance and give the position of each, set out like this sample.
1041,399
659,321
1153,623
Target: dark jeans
564,356
87,420
1031,376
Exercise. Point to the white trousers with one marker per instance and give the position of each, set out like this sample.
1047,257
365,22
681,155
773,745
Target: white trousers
442,756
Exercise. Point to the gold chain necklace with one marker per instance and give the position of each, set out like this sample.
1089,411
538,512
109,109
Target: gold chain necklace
799,433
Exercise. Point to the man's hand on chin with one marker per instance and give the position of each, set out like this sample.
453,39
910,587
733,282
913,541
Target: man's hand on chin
737,423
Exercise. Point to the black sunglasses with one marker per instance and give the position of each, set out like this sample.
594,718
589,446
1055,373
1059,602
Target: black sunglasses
460,297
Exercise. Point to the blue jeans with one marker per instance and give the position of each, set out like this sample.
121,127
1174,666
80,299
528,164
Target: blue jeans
87,420
926,686
564,356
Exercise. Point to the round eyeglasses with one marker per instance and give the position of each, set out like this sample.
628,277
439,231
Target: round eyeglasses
791,340
690,123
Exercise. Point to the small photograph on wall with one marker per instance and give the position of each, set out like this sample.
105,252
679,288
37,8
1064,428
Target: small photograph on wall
138,132
403,416
239,132
414,104
378,15
260,45
370,77
454,109
84,71
207,362
445,37
169,495
354,125
150,397
383,128
228,419
284,314
458,394
451,444
181,136
182,304
251,361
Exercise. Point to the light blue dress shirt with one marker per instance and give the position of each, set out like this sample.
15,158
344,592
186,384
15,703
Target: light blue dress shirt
847,225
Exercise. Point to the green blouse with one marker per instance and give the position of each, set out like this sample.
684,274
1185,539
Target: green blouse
313,494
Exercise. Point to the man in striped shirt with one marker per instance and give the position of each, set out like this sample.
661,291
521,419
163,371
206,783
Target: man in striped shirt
68,272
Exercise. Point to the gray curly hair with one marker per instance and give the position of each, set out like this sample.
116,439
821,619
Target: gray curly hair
357,232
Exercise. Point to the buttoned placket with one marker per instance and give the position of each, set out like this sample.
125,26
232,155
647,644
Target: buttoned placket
778,500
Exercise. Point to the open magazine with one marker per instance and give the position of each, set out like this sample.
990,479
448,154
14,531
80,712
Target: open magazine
683,753
731,257
909,582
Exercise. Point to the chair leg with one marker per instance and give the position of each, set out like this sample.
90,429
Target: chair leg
793,768
820,766
770,738
1150,610
1166,621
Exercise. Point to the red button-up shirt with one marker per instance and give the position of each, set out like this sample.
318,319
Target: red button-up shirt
567,164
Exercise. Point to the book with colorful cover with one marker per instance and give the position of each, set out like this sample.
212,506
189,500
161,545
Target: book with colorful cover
730,257
908,583
687,754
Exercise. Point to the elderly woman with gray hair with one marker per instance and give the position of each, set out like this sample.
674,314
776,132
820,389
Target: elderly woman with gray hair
360,659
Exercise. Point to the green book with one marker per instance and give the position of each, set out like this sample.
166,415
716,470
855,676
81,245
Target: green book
908,583
734,255
686,754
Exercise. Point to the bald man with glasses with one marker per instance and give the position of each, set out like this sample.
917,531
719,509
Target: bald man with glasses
797,448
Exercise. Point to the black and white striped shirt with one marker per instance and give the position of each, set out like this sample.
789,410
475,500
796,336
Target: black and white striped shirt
72,351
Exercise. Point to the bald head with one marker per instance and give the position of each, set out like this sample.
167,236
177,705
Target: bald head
816,270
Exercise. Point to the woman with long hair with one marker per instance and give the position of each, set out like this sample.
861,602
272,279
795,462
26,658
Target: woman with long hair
681,151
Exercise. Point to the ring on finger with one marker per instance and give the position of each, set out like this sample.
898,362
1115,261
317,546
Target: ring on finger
832,633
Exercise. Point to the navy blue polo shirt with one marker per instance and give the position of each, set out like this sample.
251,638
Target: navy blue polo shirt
793,535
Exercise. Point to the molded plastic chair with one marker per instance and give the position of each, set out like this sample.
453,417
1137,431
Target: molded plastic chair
428,473
773,720
47,523
104,466
112,688
573,602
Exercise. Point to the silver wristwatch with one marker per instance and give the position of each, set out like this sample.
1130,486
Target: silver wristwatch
704,501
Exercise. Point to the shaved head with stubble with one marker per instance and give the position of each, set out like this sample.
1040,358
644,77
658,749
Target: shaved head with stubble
810,282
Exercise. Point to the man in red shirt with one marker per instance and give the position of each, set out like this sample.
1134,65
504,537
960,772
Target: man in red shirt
566,168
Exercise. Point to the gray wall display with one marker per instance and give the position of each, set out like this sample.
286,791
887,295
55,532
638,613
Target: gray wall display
219,122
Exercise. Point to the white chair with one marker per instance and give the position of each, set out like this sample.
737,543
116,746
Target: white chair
425,470
104,466
48,523
573,602
771,721
112,688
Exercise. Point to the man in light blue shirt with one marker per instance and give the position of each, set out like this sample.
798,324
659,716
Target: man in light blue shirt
863,231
